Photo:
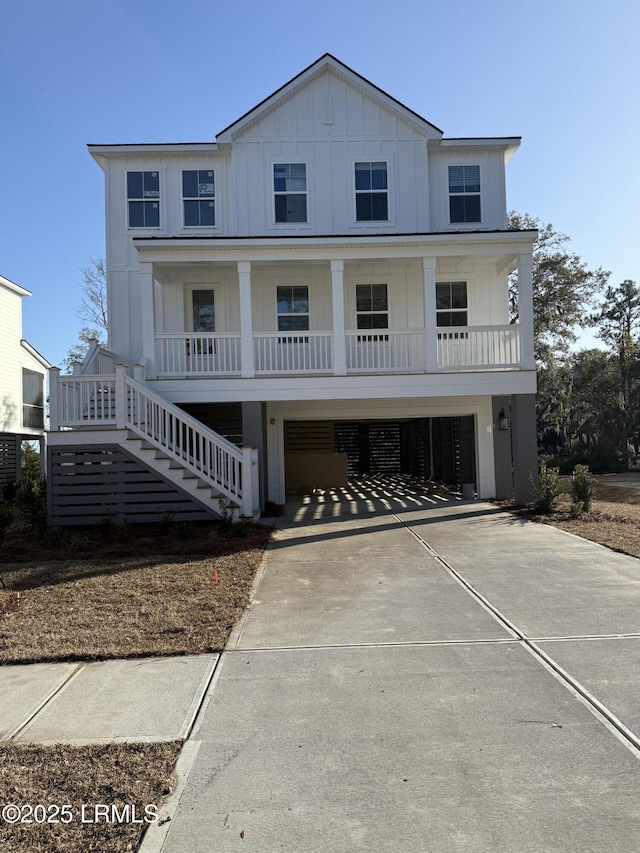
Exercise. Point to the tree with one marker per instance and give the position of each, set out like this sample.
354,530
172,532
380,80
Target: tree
618,323
563,289
93,309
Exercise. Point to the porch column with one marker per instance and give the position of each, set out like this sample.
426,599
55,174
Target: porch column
525,311
337,297
430,329
246,321
147,336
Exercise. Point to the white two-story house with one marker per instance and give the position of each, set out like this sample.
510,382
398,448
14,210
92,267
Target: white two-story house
321,292
22,385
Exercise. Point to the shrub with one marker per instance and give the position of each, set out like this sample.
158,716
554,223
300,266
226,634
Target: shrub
546,491
6,519
575,510
583,486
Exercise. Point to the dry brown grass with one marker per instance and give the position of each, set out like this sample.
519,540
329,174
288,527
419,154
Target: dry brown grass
112,774
129,606
614,519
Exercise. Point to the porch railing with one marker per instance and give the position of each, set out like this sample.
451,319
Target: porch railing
367,351
382,350
293,352
479,347
197,353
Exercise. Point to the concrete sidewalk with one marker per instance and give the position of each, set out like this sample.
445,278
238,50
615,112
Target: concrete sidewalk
389,695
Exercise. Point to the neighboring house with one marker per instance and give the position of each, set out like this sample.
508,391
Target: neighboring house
325,284
22,385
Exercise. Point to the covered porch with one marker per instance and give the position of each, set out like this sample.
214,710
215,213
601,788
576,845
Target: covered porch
221,309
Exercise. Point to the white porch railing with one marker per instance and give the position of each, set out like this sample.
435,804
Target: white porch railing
293,352
121,402
197,353
80,401
382,350
367,351
479,347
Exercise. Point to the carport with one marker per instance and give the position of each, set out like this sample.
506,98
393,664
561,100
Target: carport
327,453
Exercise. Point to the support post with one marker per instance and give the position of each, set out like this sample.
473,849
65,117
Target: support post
54,399
250,481
148,314
120,396
430,328
246,321
337,301
525,311
525,447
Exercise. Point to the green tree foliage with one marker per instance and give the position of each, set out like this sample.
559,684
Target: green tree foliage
618,324
563,289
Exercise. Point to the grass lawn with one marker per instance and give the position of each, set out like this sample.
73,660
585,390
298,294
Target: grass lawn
115,594
111,592
114,775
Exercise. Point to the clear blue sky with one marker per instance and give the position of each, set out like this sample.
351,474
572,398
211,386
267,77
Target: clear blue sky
563,74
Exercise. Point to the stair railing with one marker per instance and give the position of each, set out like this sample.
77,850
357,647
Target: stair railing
225,467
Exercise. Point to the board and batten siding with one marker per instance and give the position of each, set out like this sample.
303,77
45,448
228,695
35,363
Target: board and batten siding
10,359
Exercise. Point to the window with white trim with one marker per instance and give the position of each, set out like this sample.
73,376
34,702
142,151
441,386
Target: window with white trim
451,303
464,194
290,192
32,399
372,306
372,203
293,308
143,199
199,198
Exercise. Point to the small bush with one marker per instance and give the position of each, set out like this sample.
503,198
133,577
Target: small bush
546,491
575,510
78,542
6,519
14,547
583,487
166,523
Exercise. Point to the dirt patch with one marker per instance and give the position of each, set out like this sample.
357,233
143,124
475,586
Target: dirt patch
122,778
95,609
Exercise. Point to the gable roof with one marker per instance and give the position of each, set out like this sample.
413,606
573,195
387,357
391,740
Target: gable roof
328,62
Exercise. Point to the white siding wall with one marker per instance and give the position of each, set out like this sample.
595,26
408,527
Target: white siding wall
10,355
13,357
492,185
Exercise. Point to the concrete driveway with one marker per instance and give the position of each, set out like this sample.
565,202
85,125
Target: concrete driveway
420,674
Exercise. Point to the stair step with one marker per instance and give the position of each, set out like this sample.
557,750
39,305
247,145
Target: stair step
160,454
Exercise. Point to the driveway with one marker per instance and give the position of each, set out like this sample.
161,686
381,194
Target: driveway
422,674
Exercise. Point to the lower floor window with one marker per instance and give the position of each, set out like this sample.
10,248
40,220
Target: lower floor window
372,306
32,399
451,303
293,308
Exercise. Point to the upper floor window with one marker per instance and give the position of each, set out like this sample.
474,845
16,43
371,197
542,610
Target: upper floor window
464,194
451,303
198,198
32,399
290,192
293,308
372,306
143,198
372,204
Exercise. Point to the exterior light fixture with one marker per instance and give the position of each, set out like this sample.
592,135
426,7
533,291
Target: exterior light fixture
503,420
